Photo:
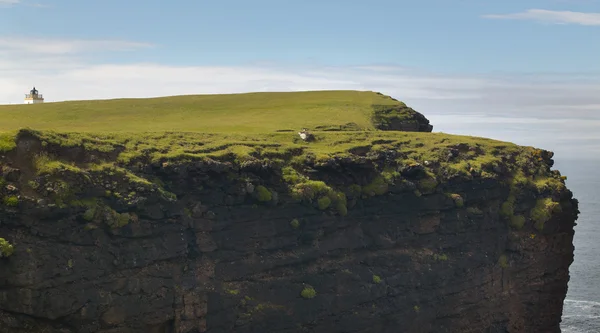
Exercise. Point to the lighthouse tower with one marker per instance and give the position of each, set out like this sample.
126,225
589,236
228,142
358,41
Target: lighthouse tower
33,97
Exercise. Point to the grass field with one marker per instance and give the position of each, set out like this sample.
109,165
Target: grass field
241,113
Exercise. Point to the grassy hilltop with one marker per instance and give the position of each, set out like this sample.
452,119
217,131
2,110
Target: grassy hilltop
96,139
241,113
241,127
229,126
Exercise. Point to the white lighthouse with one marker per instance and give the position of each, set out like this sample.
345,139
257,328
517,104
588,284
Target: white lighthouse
34,97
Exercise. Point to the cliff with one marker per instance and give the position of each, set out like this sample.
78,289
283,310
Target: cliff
358,231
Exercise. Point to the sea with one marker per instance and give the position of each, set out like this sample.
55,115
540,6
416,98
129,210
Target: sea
581,311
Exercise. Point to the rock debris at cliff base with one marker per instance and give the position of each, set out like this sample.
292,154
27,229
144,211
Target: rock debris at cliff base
364,231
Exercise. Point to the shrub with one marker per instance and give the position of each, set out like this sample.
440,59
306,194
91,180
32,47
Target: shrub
122,220
376,279
295,223
327,196
517,221
503,261
308,292
309,189
6,248
324,202
341,208
33,184
89,214
377,187
263,194
389,175
90,226
507,210
458,200
7,143
11,200
232,291
428,185
291,176
116,220
354,190
474,211
542,212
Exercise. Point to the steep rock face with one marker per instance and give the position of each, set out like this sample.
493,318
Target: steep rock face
399,118
216,253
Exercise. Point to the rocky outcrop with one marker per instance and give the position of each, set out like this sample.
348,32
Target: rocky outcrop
204,245
400,118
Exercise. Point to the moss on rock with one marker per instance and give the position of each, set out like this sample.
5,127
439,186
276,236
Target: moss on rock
398,161
378,186
308,292
517,221
11,200
263,194
458,200
6,248
542,212
324,203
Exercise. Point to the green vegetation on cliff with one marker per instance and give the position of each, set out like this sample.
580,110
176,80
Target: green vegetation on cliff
308,292
418,162
231,133
6,249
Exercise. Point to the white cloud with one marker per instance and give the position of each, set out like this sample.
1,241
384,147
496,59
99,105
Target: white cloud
560,112
61,46
550,16
382,68
10,3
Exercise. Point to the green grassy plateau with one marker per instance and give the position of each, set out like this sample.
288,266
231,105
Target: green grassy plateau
125,135
238,126
251,112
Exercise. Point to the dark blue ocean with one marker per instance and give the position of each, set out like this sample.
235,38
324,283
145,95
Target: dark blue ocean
581,312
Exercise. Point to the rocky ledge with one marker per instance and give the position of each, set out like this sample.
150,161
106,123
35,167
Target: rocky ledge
395,232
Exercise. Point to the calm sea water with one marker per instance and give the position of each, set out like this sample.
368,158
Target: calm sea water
581,312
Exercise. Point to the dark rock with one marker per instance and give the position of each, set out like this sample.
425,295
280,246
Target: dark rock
414,171
395,263
454,152
10,174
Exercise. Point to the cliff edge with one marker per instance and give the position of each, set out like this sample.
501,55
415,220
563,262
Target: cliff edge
357,231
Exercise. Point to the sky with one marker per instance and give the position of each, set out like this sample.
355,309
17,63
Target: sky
518,70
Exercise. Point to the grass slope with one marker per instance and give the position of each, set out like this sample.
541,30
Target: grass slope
241,113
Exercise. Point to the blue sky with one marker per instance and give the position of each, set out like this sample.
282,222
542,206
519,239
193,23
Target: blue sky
525,71
439,35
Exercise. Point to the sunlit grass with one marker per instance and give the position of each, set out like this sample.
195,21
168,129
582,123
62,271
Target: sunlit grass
239,113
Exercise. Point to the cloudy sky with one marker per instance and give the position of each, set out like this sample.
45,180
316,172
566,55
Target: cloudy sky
525,71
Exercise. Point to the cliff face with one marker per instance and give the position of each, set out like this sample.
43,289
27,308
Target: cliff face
371,241
399,118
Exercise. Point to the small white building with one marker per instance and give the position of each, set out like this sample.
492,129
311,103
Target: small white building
34,97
